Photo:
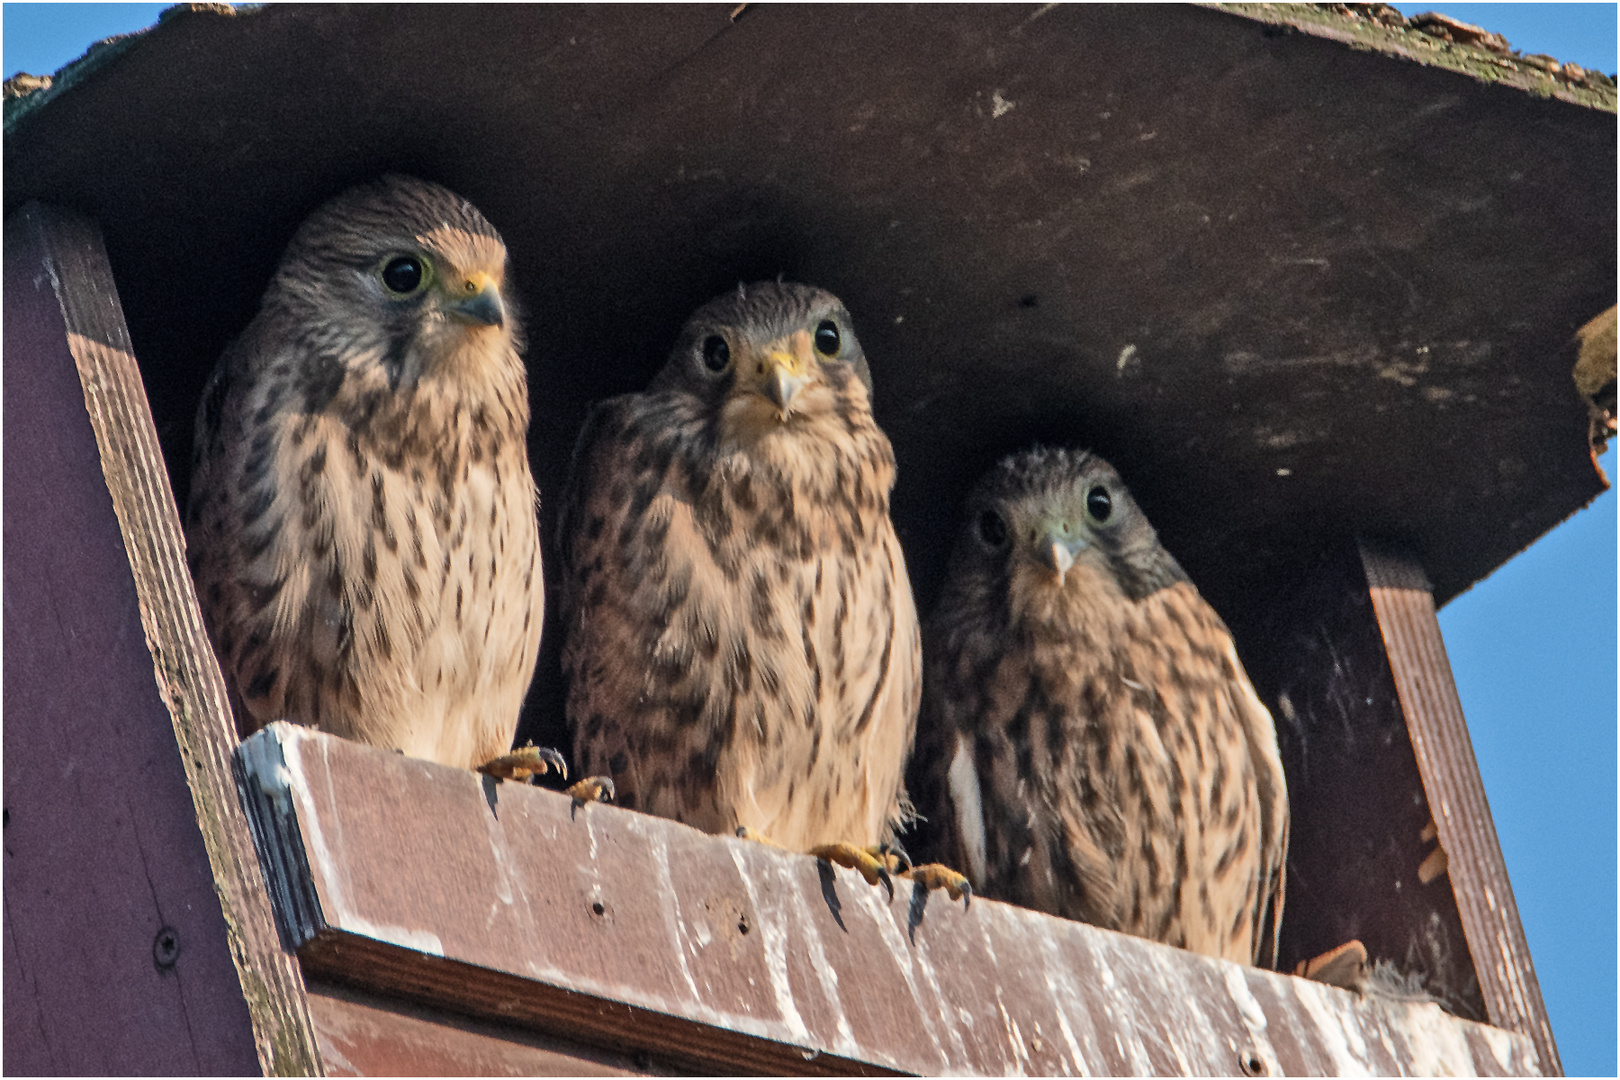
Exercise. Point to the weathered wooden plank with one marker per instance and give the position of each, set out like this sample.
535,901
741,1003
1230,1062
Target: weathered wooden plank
366,1034
1404,606
631,931
1359,810
57,260
102,851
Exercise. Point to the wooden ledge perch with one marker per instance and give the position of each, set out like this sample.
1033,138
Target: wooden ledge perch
642,935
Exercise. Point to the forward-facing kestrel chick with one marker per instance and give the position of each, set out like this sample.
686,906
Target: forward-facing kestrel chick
362,518
742,647
1090,745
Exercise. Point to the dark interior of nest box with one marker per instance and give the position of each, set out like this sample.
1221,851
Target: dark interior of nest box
1295,291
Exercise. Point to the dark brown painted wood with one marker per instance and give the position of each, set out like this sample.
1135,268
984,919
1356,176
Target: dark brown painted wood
366,1034
1380,772
139,935
1290,288
1404,607
639,934
1359,807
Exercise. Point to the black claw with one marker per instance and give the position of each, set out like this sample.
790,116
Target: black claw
967,896
902,857
555,760
888,882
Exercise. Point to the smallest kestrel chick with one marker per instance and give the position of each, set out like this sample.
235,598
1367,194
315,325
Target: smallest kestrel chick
1089,744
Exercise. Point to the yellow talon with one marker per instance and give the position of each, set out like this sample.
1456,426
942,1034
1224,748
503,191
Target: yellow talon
525,763
939,876
591,789
869,863
872,863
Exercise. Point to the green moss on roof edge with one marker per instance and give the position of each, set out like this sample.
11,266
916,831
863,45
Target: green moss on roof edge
1360,27
98,56
1374,27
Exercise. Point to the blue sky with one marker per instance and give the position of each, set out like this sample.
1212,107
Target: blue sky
1533,647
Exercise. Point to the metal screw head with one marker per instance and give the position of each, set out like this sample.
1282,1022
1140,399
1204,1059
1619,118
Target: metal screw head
166,948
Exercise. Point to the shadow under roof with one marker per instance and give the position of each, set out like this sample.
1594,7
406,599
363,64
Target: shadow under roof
1293,282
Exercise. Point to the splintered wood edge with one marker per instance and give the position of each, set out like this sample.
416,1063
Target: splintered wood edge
1404,608
70,249
388,898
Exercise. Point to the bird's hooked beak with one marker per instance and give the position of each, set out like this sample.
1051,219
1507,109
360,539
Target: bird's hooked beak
477,300
1057,554
784,371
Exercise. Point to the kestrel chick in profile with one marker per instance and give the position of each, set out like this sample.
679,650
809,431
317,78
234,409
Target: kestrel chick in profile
1090,745
742,646
362,522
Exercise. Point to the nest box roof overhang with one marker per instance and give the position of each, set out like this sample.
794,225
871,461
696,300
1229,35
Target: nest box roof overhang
1293,274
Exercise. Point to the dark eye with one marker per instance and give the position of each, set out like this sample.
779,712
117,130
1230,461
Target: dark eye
992,530
827,340
402,274
716,353
1098,504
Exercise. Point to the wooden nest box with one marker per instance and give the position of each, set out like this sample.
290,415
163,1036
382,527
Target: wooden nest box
1310,279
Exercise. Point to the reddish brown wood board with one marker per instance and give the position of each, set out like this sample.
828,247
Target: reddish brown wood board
1383,787
1355,791
635,932
1404,607
367,1034
116,950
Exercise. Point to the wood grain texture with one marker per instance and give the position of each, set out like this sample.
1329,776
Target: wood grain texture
1358,803
66,252
640,934
1404,607
367,1034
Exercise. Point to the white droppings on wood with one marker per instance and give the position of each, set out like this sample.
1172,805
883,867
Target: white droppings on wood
507,884
1006,1021
1127,1040
791,884
1065,995
1327,1021
333,872
423,941
910,964
1253,1017
1165,1010
774,939
1503,1048
1189,1029
1019,1065
671,907
262,760
1437,1044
